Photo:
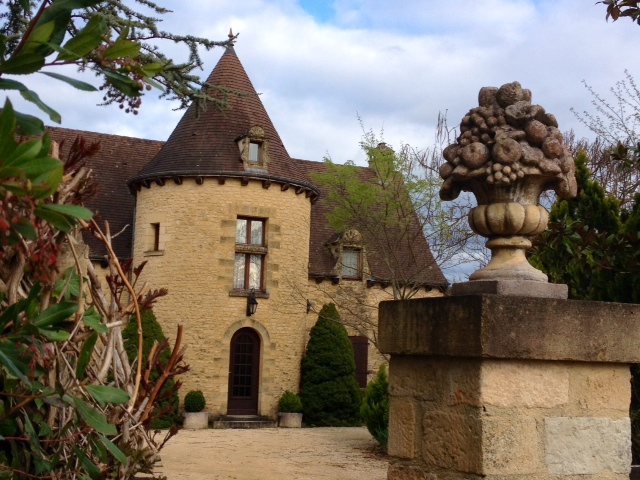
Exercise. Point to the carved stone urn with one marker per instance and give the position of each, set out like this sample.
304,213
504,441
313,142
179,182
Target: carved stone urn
508,152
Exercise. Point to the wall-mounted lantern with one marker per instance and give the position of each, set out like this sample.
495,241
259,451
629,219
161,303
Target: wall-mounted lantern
252,303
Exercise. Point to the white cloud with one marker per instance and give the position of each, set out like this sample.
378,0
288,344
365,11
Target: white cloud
396,64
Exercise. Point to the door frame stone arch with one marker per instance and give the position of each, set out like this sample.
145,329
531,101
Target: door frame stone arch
257,326
250,405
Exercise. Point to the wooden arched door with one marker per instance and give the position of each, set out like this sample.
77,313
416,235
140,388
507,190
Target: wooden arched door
244,373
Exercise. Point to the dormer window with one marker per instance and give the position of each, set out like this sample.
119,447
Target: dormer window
253,146
349,252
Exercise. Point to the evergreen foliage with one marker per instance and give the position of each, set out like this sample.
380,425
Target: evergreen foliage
592,205
167,410
375,407
592,244
289,403
328,389
194,401
117,40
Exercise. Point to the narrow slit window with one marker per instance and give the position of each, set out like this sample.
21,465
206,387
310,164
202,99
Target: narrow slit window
254,152
155,232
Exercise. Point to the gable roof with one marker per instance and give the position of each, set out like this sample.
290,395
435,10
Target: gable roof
415,259
118,159
204,144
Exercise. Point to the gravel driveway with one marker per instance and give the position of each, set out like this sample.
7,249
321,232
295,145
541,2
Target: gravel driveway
273,453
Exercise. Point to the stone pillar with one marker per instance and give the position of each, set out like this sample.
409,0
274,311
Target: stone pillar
509,387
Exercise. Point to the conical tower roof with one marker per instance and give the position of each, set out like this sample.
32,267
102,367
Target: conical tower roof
210,144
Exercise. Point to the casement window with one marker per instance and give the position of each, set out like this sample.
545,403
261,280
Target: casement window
251,251
254,152
348,250
351,263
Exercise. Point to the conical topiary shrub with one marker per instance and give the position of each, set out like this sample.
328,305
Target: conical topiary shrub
166,412
328,389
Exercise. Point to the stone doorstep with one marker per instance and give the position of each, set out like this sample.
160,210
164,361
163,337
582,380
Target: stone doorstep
244,421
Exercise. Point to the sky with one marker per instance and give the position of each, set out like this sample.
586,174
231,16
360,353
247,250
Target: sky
327,69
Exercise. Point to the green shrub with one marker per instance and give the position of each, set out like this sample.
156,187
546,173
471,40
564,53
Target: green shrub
375,407
289,403
166,412
328,389
194,401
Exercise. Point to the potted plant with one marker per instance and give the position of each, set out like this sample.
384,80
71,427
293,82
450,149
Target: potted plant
194,416
290,410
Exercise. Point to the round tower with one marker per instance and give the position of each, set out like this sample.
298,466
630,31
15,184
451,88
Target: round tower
223,222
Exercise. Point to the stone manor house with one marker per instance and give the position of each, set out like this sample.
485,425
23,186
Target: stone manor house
235,229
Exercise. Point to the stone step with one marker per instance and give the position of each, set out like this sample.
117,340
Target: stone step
244,421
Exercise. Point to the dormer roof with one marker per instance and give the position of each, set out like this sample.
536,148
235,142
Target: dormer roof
209,143
413,255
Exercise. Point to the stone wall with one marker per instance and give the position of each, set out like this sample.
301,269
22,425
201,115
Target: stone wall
497,417
506,387
195,262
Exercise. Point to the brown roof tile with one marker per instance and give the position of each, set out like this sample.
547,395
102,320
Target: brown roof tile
416,259
118,159
205,145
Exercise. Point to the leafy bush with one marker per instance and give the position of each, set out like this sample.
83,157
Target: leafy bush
166,413
289,403
328,389
194,401
375,407
64,410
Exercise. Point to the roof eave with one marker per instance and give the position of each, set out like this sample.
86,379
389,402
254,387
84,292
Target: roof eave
137,182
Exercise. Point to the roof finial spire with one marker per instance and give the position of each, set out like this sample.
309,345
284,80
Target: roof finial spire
232,37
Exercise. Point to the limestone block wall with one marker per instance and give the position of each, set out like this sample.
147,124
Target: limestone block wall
195,262
509,387
504,417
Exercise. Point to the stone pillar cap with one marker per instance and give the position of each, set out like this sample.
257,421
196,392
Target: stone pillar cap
510,327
